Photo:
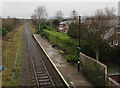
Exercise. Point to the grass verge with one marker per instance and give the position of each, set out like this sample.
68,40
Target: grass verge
10,46
17,65
32,29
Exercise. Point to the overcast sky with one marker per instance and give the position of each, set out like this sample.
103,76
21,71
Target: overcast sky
25,9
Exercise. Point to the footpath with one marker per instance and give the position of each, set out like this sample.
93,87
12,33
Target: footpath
66,70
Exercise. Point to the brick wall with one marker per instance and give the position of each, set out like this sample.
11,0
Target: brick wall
94,70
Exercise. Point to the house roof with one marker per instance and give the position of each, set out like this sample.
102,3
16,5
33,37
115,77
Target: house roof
111,33
117,27
115,37
62,23
61,28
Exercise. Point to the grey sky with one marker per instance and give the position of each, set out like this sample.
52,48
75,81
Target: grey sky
25,9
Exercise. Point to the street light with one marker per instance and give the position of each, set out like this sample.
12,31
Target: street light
79,44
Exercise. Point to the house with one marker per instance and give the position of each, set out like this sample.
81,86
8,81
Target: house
63,27
113,36
110,32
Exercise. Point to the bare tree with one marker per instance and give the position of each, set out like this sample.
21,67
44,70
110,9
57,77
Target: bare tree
105,18
74,14
34,19
99,24
59,15
110,12
39,15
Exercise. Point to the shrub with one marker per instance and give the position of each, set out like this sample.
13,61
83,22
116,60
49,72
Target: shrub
11,23
4,31
72,58
41,28
55,22
73,30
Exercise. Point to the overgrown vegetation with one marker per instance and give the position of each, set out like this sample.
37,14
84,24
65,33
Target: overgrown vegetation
73,30
17,65
31,27
40,29
3,31
9,54
8,24
55,22
90,42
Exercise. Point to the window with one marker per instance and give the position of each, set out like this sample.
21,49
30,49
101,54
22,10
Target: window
115,42
111,43
118,30
119,42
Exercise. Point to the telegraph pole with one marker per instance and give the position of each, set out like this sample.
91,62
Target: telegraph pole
79,44
79,29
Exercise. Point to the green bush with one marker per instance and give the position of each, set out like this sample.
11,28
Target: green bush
55,22
72,58
3,31
64,42
41,28
73,30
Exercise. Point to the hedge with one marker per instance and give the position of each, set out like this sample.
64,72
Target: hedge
64,42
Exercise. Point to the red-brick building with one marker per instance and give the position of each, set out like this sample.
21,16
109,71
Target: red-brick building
63,27
113,36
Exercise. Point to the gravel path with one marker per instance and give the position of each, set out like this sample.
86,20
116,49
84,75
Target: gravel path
25,74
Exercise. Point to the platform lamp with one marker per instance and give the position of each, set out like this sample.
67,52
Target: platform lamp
79,48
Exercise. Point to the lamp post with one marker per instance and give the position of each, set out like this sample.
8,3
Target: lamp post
79,45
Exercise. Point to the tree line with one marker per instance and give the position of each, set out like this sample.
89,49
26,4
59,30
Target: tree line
8,24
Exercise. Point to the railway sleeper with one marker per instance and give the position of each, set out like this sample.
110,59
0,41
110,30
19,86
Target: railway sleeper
44,80
41,72
39,65
39,68
45,83
33,78
39,75
48,86
43,77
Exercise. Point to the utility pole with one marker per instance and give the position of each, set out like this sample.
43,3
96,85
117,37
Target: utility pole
118,13
79,29
79,44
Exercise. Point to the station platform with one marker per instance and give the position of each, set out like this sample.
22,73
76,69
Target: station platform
68,71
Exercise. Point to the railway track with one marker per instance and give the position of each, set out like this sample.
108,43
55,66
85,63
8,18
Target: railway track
41,77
